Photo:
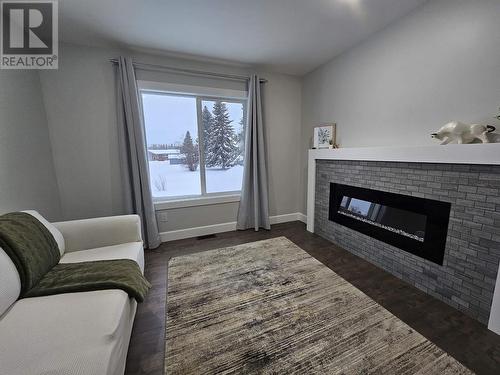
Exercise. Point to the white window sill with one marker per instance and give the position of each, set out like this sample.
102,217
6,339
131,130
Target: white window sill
197,201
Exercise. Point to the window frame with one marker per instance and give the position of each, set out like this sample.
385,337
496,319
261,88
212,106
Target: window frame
205,198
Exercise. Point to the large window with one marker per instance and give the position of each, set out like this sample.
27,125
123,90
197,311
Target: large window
195,144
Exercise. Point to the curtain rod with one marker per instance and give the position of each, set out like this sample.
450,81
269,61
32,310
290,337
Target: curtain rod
154,67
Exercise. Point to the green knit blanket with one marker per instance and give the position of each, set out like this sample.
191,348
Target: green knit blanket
30,245
36,256
122,274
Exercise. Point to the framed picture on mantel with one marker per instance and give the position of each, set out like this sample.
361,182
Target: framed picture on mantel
324,136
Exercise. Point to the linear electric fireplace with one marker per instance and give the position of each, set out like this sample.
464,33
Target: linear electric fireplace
413,224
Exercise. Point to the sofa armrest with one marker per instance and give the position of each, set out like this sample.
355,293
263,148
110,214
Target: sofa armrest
99,232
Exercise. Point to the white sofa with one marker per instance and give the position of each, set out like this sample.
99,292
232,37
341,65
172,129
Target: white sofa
75,333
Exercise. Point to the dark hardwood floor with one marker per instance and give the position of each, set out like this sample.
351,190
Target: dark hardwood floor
464,338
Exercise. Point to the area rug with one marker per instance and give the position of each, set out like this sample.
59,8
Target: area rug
268,307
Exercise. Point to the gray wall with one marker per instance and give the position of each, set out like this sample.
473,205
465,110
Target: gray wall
27,178
438,64
199,216
81,112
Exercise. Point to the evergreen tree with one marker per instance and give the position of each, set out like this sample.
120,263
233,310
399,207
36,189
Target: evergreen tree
207,120
222,148
240,137
190,152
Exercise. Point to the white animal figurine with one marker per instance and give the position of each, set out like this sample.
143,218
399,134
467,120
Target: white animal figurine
463,133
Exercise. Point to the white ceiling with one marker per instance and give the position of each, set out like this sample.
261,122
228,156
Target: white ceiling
289,36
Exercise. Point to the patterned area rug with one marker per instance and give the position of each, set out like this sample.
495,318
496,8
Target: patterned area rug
268,307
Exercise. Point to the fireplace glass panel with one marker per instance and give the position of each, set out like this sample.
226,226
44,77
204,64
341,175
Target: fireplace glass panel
414,224
400,221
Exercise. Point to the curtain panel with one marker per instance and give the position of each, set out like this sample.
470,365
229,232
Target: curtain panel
253,211
133,154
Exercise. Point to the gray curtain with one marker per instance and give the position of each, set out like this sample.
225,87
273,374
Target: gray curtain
253,211
133,155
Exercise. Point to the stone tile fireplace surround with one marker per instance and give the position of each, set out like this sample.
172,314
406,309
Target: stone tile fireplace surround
467,176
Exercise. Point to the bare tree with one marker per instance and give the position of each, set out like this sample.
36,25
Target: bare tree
160,183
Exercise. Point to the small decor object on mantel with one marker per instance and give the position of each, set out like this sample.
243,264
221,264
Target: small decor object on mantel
458,132
334,145
324,136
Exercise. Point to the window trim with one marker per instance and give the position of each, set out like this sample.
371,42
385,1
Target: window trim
197,200
204,198
190,90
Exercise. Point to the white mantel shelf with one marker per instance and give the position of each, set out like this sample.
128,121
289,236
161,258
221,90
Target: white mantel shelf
482,154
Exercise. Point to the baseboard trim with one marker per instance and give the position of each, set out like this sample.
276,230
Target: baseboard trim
181,234
278,219
302,217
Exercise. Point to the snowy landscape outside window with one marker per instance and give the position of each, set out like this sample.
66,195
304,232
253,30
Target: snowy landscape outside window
195,144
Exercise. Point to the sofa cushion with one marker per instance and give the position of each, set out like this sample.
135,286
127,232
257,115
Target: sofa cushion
130,250
51,228
10,283
73,333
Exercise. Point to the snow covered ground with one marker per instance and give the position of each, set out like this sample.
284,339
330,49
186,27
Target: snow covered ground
219,180
177,180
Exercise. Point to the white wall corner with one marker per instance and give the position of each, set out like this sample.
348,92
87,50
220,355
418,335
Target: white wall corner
494,321
302,217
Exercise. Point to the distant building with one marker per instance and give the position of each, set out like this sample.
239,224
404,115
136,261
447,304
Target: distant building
176,159
162,155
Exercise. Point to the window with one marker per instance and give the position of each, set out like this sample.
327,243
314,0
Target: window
195,143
